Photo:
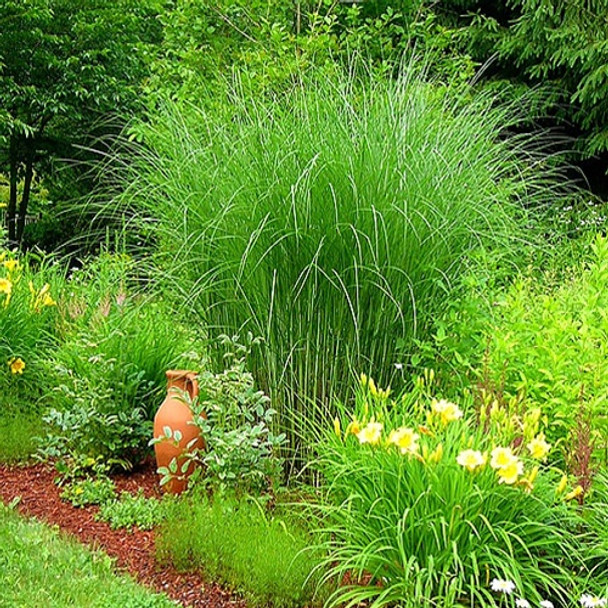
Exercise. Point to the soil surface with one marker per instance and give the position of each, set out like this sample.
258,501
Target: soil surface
133,549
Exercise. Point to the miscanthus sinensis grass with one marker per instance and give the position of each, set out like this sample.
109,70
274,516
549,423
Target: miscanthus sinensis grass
329,220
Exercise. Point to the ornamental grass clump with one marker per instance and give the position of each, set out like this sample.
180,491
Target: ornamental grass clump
329,220
425,502
262,553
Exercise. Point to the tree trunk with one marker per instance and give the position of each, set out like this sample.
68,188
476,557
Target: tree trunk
25,197
12,201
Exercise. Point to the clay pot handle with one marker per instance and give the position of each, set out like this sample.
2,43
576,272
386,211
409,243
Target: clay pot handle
192,385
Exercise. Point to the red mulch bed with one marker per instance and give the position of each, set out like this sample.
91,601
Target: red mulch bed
133,549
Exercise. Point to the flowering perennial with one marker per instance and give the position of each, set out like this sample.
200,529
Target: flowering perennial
405,439
539,448
502,586
446,410
471,459
507,460
370,433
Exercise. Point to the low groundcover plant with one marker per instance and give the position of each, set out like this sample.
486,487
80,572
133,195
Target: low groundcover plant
426,501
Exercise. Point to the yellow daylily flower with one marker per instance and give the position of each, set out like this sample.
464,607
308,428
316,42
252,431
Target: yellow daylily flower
11,265
353,427
471,460
17,365
528,481
510,473
539,448
337,429
575,493
47,300
405,438
371,433
6,286
447,411
502,457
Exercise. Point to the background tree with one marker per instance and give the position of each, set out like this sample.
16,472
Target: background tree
559,46
65,66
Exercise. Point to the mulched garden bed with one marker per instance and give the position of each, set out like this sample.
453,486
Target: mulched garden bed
133,549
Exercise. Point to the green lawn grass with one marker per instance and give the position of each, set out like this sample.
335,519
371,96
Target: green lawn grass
18,431
40,568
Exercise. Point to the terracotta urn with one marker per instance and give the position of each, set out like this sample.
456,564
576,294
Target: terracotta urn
176,414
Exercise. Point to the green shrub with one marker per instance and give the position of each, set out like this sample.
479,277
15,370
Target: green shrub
543,338
269,53
88,491
235,420
93,425
419,510
330,220
238,543
550,342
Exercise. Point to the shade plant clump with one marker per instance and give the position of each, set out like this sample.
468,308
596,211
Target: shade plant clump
129,510
330,219
426,501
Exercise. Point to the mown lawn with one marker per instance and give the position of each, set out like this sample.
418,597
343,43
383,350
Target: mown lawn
38,567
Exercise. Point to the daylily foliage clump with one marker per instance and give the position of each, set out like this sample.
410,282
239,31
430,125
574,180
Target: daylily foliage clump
428,499
27,310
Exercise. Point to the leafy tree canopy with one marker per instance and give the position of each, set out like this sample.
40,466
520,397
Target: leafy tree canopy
64,66
562,44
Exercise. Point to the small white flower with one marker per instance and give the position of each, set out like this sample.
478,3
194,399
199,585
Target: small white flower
589,601
546,604
522,603
502,586
399,366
